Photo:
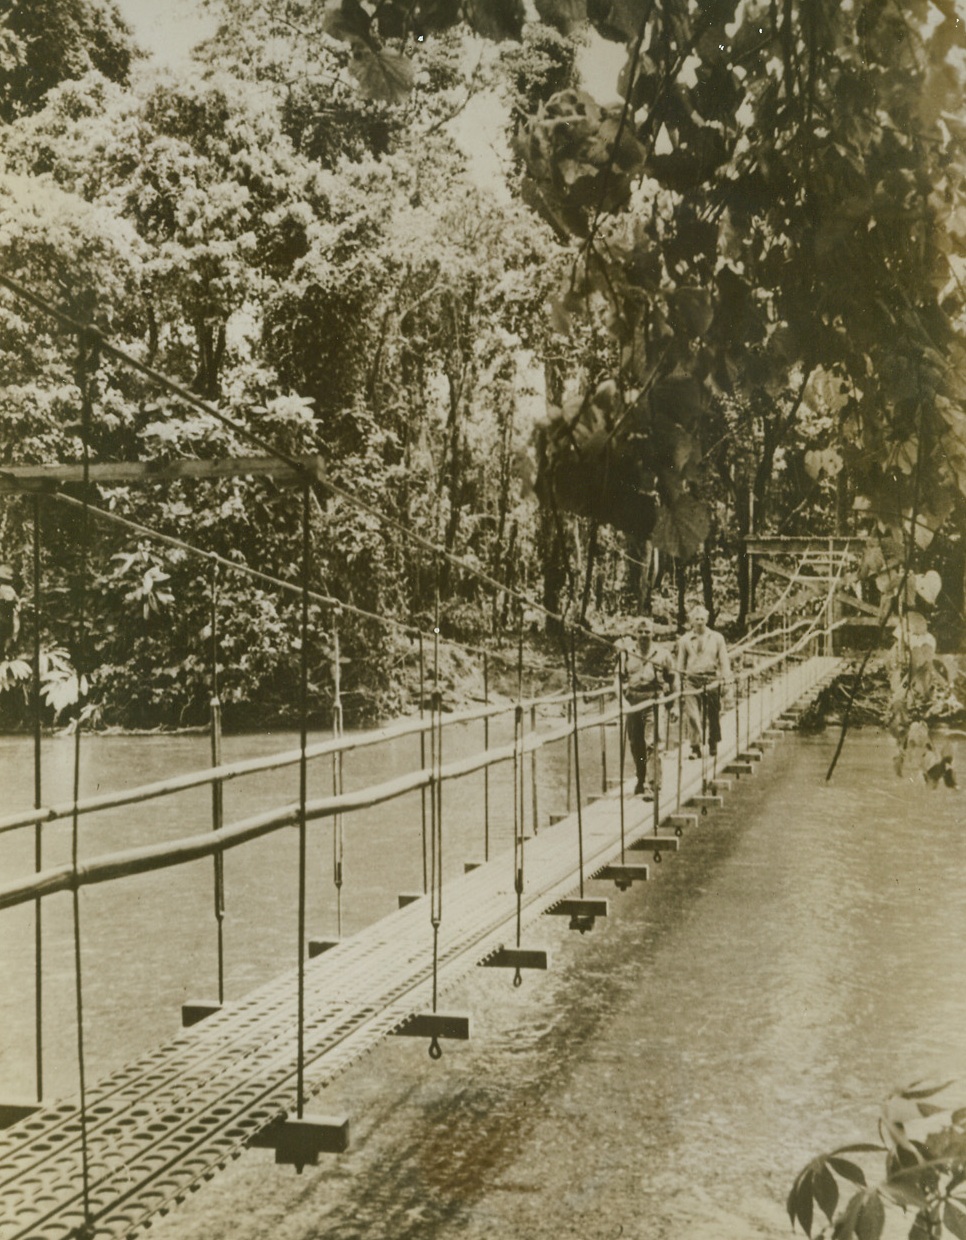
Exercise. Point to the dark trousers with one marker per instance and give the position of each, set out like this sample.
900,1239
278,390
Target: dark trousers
644,729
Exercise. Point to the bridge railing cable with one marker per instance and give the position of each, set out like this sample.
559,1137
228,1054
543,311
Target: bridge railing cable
164,855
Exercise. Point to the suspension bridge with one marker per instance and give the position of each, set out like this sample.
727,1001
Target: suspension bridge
147,1135
131,1145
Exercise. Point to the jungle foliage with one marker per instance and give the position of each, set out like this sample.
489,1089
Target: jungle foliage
730,301
922,1148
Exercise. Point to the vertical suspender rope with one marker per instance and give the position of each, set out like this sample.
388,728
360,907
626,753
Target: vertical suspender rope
422,750
576,751
681,704
303,795
84,362
486,769
621,672
534,771
436,814
657,773
38,802
519,801
217,787
603,747
570,754
338,836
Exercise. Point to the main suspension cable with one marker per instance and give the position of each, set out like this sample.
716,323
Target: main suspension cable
309,476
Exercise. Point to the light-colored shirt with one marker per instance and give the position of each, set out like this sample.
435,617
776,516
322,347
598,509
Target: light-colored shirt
706,655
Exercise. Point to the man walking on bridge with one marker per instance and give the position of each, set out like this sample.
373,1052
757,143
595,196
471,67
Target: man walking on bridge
703,664
649,672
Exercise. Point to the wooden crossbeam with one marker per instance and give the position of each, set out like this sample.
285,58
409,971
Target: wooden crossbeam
790,544
819,585
19,479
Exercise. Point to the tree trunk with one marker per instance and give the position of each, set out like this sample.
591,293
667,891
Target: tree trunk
589,571
707,583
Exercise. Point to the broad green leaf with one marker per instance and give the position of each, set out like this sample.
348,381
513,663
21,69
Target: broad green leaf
563,15
825,461
691,310
826,1192
383,74
846,1169
803,1202
349,22
954,1220
618,20
495,19
682,527
871,1218
844,1228
929,1092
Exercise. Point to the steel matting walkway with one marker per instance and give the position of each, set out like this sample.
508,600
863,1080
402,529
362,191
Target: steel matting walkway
162,1125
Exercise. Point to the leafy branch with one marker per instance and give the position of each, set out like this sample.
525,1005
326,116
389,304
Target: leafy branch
924,1147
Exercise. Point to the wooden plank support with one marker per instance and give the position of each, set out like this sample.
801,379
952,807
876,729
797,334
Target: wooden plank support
623,875
739,768
318,947
14,1110
719,786
555,818
299,1142
679,823
196,1010
409,897
750,755
655,844
704,803
773,734
579,907
581,911
517,958
455,1025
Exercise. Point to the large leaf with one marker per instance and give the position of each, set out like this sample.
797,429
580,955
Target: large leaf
563,15
383,74
847,1169
495,19
349,22
617,20
826,1192
682,527
954,1220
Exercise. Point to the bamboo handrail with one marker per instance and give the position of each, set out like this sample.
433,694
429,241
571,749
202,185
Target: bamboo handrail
192,848
250,766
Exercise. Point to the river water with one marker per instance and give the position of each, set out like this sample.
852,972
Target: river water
802,957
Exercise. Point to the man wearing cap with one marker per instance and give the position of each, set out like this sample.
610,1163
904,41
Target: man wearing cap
704,665
649,673
9,612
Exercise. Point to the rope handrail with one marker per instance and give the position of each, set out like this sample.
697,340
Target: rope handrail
210,843
250,766
228,771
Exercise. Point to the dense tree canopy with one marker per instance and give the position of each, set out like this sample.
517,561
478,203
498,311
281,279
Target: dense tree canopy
730,301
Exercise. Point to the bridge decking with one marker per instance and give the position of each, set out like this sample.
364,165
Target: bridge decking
160,1126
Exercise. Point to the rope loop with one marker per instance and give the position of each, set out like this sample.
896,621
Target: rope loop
518,978
435,1050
